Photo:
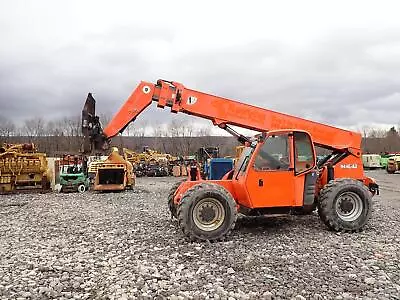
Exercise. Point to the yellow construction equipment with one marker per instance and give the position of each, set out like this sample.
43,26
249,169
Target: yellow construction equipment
22,168
238,151
93,164
114,174
393,164
149,162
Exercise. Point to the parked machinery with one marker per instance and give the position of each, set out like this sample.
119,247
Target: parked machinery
203,157
182,164
149,162
393,164
157,167
276,173
238,152
22,168
114,174
138,161
385,158
212,166
73,174
93,164
158,164
371,161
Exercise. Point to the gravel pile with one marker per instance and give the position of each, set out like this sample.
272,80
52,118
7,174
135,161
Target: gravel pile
125,246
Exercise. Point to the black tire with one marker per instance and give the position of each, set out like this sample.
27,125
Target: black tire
171,205
390,171
217,200
345,205
81,188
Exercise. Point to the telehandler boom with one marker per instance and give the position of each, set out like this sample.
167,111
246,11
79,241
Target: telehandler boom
277,172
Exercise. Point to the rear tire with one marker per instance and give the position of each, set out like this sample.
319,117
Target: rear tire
390,171
171,205
207,212
345,205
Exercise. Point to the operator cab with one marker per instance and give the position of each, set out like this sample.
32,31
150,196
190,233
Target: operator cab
278,169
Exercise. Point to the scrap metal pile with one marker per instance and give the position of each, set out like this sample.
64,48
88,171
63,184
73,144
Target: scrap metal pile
150,162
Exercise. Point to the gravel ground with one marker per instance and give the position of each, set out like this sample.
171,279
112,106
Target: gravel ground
124,246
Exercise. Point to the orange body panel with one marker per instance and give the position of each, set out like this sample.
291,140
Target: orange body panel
225,111
277,188
133,106
276,193
227,184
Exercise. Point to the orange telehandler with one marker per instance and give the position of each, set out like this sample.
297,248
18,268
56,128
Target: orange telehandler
277,172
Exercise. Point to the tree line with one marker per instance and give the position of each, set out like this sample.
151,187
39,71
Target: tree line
178,137
57,137
379,140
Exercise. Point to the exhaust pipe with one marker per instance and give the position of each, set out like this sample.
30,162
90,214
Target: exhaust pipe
92,131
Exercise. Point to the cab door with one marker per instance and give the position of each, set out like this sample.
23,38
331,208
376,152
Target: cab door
282,171
270,178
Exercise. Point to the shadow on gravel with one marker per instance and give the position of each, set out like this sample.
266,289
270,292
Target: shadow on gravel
135,190
10,204
263,223
140,190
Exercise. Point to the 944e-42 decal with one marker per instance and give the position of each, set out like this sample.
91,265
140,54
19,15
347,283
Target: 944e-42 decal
349,166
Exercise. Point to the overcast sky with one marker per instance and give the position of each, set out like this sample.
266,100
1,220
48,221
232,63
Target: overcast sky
336,62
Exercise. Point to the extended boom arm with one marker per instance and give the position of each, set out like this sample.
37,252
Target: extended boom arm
221,112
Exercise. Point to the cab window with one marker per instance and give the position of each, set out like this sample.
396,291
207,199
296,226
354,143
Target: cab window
241,164
273,154
304,153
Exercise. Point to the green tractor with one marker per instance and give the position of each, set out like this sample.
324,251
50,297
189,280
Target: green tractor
384,160
73,174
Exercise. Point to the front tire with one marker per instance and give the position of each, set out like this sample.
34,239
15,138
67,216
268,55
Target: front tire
345,205
81,188
207,212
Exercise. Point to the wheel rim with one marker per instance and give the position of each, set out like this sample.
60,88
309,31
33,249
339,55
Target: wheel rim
208,214
349,206
81,188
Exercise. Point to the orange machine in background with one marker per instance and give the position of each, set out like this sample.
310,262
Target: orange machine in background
114,174
276,173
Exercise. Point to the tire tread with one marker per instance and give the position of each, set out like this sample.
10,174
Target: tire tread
329,193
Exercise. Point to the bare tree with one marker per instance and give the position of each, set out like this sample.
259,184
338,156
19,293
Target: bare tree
182,133
204,134
159,134
105,118
7,129
137,129
34,128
